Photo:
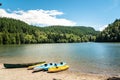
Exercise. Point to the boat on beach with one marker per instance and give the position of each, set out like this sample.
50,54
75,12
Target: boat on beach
21,65
31,67
47,66
58,68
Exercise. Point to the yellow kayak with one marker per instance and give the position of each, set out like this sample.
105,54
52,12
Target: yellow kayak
57,68
31,67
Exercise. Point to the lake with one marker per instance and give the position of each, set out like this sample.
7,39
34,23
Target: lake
98,58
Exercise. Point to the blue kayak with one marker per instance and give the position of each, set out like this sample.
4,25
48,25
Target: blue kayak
49,65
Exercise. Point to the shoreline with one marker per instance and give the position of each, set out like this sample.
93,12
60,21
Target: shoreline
24,74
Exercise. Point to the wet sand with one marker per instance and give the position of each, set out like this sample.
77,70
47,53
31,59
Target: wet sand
24,74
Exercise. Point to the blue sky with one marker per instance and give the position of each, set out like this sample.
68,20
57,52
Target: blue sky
94,13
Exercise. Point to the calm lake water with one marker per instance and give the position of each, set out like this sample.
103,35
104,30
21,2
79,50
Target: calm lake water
101,58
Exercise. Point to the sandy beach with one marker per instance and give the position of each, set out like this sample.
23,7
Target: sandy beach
24,74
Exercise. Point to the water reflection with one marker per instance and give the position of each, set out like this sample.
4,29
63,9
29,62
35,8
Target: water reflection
86,57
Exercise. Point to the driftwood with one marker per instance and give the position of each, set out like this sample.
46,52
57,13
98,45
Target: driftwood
114,78
56,79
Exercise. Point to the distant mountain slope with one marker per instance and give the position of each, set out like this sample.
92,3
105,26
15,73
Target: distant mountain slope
18,32
13,26
111,33
78,30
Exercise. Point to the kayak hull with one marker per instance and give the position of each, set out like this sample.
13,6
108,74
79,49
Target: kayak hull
9,65
31,67
43,67
58,69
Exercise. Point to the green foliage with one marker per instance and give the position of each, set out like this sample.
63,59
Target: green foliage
111,33
1,39
18,32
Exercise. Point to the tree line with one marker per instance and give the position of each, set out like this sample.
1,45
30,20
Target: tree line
111,33
14,31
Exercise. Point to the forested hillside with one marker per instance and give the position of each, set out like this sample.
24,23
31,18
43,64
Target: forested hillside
111,33
18,32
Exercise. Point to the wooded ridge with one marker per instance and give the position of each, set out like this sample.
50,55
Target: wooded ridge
18,32
14,31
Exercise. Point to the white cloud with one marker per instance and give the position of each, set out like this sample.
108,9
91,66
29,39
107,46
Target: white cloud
103,27
37,17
